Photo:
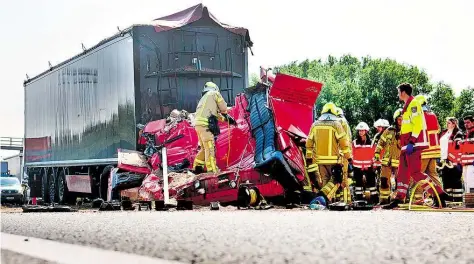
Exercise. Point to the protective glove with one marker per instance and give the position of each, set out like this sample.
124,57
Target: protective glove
350,166
375,161
410,148
230,119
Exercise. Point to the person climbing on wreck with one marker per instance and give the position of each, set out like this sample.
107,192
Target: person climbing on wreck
211,108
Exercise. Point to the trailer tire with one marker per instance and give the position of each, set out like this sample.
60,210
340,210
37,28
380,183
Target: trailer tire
104,182
52,186
63,196
44,186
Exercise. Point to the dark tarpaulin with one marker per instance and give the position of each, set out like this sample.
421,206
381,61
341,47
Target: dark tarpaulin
193,14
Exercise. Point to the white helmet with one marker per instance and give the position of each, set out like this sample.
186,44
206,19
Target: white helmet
362,126
381,123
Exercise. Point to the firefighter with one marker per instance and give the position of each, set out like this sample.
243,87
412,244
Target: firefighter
413,140
326,147
432,154
364,174
345,124
468,154
345,163
210,109
450,165
388,148
381,125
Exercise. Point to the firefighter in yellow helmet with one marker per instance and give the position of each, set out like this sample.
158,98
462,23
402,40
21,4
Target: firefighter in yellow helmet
210,109
326,147
388,151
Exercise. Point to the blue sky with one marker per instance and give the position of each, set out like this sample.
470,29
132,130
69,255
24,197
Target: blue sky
437,36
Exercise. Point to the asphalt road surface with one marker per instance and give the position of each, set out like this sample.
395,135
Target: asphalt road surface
273,236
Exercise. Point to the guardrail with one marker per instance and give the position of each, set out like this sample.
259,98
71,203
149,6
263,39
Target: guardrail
11,143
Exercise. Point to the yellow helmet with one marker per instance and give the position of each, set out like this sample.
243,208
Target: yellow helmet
329,107
339,111
421,98
397,113
210,86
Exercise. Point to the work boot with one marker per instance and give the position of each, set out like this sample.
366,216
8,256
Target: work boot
443,197
198,170
394,204
384,201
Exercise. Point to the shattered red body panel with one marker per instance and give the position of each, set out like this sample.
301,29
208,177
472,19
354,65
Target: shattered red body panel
291,100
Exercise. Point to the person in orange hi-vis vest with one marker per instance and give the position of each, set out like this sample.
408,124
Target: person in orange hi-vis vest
450,165
413,139
364,175
429,156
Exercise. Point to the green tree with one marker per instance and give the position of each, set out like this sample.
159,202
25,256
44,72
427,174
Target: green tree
254,79
464,104
364,88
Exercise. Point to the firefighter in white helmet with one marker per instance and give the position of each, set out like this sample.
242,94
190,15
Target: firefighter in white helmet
326,142
210,109
364,174
387,153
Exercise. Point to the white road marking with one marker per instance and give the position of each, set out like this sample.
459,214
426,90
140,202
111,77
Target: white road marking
69,253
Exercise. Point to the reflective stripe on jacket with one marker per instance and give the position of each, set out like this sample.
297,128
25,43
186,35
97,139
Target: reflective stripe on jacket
389,147
432,127
326,140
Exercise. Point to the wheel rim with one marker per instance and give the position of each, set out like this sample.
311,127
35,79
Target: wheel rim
51,190
61,189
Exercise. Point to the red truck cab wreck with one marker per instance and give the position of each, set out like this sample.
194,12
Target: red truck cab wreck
263,155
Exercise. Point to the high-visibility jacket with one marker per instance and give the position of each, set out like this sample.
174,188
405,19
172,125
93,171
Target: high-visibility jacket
377,136
363,153
375,141
326,140
467,148
211,103
388,148
432,129
413,125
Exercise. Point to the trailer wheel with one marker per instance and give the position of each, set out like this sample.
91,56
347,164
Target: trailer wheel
52,186
45,186
62,192
104,182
